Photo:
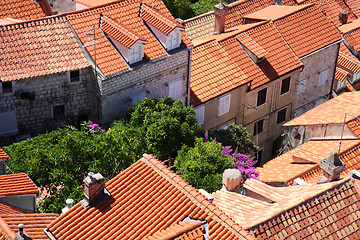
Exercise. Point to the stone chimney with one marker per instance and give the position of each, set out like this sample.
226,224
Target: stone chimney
343,16
231,180
94,185
220,11
332,166
22,235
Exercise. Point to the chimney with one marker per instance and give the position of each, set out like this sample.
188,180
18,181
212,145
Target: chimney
343,16
220,11
332,166
45,7
22,235
94,187
69,203
231,180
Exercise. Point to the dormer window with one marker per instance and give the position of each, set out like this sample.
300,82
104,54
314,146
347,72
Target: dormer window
255,52
130,46
167,31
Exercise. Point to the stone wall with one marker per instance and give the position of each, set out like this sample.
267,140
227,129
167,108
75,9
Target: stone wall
35,115
61,6
152,78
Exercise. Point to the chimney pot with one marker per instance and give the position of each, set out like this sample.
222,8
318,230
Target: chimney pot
332,166
220,12
69,202
21,228
231,180
343,16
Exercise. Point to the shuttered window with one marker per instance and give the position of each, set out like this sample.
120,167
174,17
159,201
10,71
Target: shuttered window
224,104
175,89
8,123
199,112
322,77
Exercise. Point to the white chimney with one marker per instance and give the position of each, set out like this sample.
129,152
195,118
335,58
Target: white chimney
231,180
69,203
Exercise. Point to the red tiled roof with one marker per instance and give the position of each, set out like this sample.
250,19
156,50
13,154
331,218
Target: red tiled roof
353,36
275,12
354,126
16,184
180,231
351,26
340,74
34,224
355,6
330,112
94,3
306,30
155,18
3,155
7,209
292,207
37,48
347,60
125,13
20,9
145,198
118,32
282,169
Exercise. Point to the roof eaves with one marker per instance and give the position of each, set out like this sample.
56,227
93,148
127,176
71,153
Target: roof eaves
7,230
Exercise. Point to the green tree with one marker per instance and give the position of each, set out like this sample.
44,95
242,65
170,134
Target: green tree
180,8
203,165
203,6
235,136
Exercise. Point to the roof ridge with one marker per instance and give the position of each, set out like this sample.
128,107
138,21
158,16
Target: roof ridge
6,228
306,8
197,197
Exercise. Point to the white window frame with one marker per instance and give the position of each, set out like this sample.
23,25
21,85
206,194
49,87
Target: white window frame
173,40
135,53
322,77
138,97
200,113
8,123
356,76
80,76
340,84
301,86
224,104
175,89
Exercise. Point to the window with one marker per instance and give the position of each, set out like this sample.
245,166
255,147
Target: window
138,97
341,84
75,76
301,87
258,157
322,77
199,112
7,87
261,98
135,53
281,116
285,86
173,40
258,127
175,89
276,146
356,76
8,123
58,111
224,104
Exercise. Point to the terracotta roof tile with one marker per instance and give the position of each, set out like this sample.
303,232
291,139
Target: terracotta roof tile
20,9
180,231
355,6
145,198
7,209
351,26
351,33
330,112
354,126
340,74
347,60
3,155
16,184
34,224
282,169
125,13
305,30
93,3
275,12
155,18
26,51
118,32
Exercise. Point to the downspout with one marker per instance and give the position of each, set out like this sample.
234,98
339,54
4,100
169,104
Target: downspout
187,103
333,79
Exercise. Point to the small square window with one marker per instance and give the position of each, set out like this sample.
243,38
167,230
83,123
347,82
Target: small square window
261,97
322,77
175,89
281,116
7,87
75,76
301,86
258,127
285,86
199,112
58,111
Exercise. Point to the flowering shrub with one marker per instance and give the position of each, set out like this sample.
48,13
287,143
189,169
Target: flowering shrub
94,128
244,163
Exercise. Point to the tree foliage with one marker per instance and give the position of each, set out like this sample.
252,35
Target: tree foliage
180,8
235,136
58,161
203,165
